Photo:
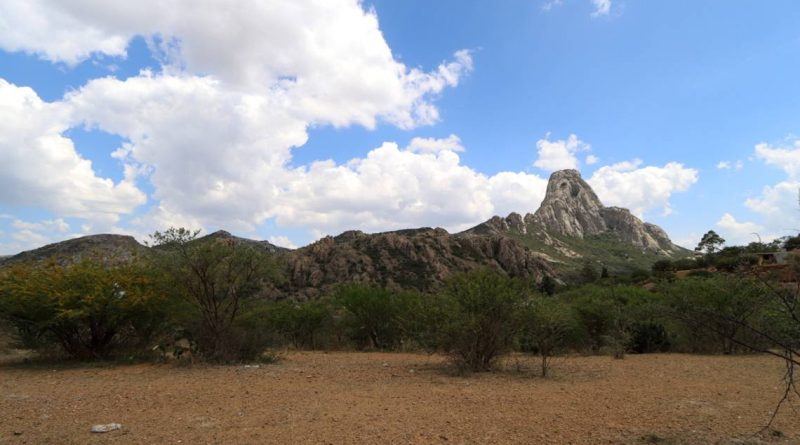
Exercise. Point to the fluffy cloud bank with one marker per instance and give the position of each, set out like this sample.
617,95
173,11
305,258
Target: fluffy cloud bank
394,188
327,60
560,154
39,167
213,128
776,206
641,189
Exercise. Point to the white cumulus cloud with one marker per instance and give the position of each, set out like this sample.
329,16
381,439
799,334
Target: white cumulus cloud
40,167
213,128
282,241
393,188
785,158
433,145
640,189
559,154
328,59
776,209
28,235
738,233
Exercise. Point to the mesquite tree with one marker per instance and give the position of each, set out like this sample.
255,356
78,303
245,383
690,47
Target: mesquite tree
215,275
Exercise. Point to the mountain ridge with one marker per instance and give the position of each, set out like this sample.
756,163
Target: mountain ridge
569,227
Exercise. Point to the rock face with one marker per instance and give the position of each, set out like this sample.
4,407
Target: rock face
419,259
572,209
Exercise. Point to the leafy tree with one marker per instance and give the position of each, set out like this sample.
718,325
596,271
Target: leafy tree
596,316
547,325
606,314
214,276
480,317
663,269
639,275
649,336
300,322
792,243
687,264
89,309
709,243
722,306
374,317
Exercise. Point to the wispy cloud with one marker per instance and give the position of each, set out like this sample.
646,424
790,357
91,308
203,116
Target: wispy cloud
601,7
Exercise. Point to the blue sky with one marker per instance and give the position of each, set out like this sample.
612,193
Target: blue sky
292,122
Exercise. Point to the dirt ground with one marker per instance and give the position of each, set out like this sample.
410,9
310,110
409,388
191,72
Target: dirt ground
343,397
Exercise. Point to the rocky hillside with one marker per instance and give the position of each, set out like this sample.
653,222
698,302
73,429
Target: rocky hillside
418,258
114,248
265,245
572,226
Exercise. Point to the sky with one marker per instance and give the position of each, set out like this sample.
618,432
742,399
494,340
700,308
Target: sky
290,121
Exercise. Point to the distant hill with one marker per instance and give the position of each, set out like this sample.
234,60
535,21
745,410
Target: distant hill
107,247
265,245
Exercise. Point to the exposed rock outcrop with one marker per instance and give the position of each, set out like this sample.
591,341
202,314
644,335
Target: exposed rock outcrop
570,207
420,259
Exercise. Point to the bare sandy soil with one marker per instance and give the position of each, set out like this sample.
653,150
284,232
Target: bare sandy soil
335,398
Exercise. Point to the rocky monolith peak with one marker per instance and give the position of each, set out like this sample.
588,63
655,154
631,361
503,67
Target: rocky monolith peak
571,208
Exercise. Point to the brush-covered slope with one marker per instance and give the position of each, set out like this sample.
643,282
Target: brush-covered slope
106,247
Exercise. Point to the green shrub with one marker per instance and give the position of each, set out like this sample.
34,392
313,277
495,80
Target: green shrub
648,337
548,285
663,266
89,310
714,312
480,317
215,278
547,326
664,269
700,274
252,334
686,264
301,323
606,314
374,317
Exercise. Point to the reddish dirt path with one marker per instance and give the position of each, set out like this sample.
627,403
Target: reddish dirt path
399,398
